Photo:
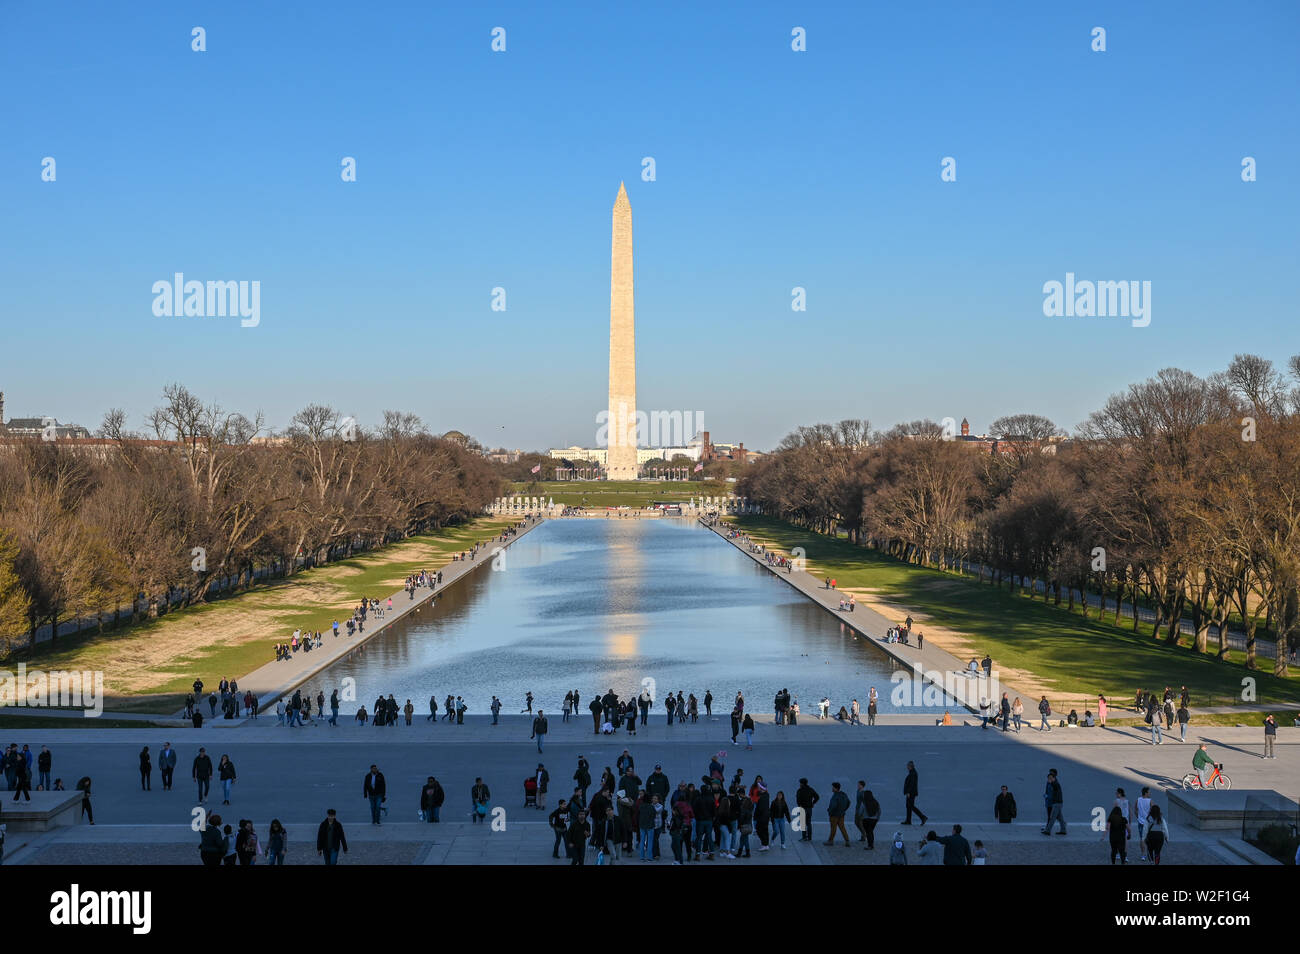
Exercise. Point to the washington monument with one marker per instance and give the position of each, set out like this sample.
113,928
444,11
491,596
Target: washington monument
621,455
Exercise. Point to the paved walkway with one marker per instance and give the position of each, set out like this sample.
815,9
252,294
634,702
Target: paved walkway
279,678
871,625
294,775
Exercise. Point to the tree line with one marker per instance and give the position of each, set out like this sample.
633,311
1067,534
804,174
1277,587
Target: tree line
1182,493
207,497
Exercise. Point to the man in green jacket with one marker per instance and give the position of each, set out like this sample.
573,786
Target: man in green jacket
1203,764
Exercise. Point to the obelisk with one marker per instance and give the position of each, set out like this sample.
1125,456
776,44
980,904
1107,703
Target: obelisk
621,460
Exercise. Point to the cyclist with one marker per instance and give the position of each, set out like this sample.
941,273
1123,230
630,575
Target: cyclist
1203,764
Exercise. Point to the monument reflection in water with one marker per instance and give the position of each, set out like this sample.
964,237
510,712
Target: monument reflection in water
600,603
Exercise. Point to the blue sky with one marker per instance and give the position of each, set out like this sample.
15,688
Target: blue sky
774,169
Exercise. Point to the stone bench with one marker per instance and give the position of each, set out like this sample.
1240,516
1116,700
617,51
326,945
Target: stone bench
1230,810
45,811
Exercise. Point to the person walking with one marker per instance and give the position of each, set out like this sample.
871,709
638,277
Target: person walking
83,786
1157,835
201,772
226,775
911,789
835,812
1142,815
1045,711
167,765
1118,831
866,814
22,779
330,839
1153,720
805,797
539,728
1054,800
578,835
1270,736
375,789
559,822
146,770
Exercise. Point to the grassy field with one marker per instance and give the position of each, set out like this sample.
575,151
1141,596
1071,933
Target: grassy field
149,667
1072,657
598,494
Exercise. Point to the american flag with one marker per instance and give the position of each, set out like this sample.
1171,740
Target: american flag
699,467
536,469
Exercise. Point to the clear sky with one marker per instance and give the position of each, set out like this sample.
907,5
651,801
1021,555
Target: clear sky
774,169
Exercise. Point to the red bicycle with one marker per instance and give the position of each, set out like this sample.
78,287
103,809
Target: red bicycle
1217,780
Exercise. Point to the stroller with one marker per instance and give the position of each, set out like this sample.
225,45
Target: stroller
530,792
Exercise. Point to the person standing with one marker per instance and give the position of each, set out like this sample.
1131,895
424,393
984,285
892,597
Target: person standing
1102,707
43,763
277,843
431,799
146,770
408,710
780,814
956,849
1017,712
835,811
543,779
582,777
334,707
1004,807
805,797
496,710
1005,712
201,772
1054,799
597,710
708,703
480,796
1270,735
911,789
330,839
375,789
213,844
747,726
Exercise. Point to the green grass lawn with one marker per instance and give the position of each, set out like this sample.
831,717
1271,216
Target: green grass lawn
1079,657
598,494
144,671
